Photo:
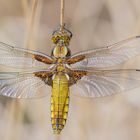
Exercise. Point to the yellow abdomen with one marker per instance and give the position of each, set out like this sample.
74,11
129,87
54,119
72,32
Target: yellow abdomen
59,102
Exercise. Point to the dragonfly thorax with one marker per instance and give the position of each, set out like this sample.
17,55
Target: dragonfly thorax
60,68
60,51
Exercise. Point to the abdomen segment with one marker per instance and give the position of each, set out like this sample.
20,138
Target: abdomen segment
59,102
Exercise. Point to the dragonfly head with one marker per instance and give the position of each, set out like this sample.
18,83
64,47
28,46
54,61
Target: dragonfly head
61,37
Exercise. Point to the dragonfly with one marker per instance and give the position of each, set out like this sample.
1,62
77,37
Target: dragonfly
24,72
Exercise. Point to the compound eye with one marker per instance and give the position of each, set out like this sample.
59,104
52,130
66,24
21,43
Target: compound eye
64,39
55,39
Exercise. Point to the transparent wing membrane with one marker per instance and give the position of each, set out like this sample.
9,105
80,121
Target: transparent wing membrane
17,72
22,86
100,83
20,58
108,56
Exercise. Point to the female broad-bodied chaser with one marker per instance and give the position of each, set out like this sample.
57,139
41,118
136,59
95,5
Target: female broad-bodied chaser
24,72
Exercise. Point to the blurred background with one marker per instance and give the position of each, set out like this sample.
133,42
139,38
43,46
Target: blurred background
94,23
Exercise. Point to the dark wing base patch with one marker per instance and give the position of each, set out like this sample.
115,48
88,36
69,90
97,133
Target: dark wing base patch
76,75
43,59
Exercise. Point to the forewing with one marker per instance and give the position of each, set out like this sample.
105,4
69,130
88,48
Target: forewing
107,56
22,85
22,58
100,83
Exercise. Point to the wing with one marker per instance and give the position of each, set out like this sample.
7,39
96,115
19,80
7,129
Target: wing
22,85
22,58
100,83
107,56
